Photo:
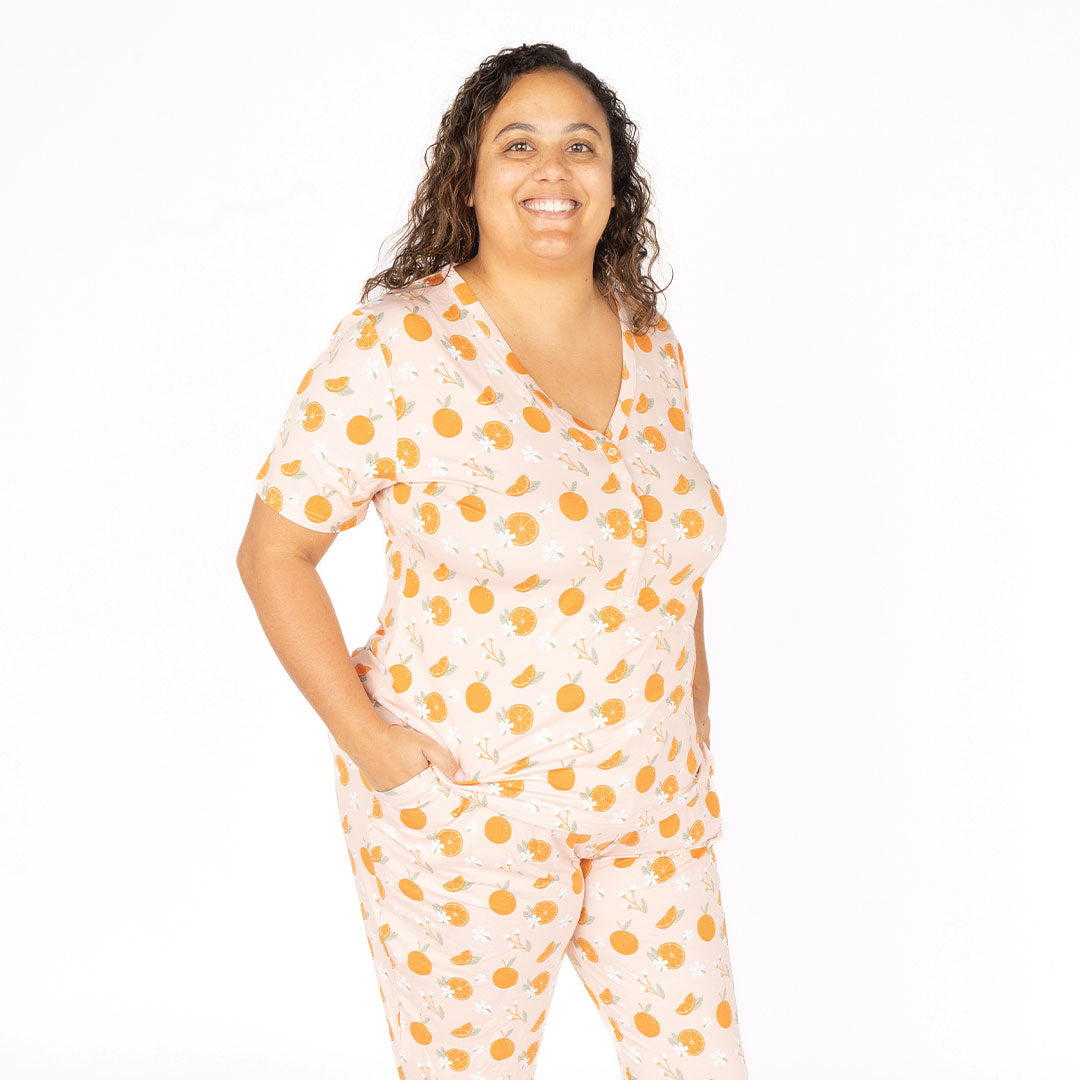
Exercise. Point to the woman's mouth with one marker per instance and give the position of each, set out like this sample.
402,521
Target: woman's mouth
552,208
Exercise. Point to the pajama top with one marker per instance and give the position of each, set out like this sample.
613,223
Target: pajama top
542,577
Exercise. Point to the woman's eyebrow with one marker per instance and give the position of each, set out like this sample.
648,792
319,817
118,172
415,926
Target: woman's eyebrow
532,127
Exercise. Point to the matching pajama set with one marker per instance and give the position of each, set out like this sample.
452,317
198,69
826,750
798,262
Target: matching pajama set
542,586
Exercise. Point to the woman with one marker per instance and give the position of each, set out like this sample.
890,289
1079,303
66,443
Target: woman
522,765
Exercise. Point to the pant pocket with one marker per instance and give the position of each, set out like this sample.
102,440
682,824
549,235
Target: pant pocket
409,790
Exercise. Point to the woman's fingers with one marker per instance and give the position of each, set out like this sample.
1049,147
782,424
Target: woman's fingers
437,754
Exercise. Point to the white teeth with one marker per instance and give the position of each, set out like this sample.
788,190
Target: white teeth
550,204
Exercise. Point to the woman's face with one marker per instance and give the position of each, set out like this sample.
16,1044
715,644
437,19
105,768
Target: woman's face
547,138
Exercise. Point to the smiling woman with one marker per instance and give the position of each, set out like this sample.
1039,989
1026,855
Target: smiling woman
517,411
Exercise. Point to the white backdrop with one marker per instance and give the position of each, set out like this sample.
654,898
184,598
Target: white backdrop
871,215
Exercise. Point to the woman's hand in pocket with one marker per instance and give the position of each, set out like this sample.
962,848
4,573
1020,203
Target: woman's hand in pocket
402,754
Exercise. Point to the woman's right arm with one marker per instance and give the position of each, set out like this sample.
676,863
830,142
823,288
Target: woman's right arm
277,562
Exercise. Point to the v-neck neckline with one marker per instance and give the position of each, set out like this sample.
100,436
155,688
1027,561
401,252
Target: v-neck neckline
627,384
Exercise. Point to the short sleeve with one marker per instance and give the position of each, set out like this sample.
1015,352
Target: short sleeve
337,445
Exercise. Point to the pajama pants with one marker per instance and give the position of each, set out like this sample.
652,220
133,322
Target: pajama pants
469,912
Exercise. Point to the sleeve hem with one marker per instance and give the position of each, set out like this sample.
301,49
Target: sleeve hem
293,511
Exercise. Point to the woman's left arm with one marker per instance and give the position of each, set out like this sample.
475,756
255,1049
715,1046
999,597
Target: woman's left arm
700,688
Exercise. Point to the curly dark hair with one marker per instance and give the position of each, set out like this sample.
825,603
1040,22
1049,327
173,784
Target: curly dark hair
442,227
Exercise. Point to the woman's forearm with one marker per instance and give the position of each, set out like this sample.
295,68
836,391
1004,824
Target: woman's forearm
299,620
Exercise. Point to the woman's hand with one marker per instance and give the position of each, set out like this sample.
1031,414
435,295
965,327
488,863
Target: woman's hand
402,754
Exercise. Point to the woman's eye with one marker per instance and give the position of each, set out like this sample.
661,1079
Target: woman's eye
521,142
